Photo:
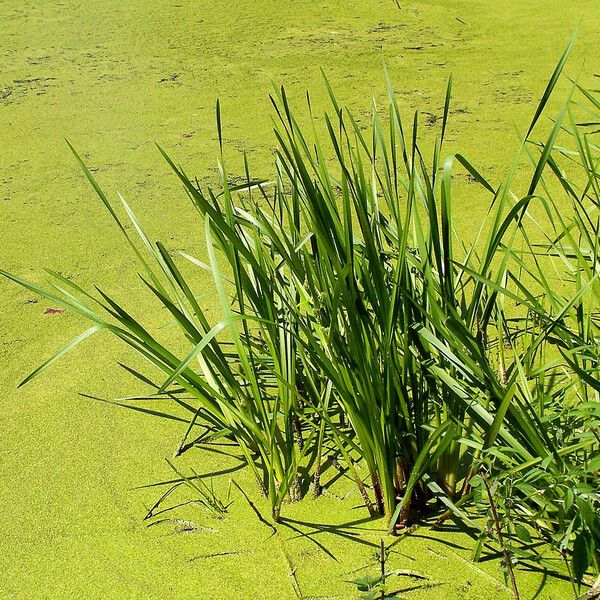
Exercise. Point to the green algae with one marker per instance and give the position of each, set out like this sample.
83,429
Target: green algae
114,78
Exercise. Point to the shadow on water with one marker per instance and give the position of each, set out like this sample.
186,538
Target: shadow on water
350,531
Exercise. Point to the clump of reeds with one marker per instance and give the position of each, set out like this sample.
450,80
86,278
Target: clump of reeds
359,327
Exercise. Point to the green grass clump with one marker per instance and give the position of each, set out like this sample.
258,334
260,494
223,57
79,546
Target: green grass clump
358,328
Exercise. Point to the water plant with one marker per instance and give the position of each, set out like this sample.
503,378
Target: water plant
354,313
376,586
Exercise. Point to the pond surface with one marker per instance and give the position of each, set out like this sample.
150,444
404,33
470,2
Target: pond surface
114,78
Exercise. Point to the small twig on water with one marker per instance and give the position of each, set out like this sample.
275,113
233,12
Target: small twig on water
505,553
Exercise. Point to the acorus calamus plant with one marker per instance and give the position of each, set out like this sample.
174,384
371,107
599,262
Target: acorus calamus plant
359,328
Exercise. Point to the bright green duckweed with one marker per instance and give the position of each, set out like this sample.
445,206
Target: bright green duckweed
59,427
